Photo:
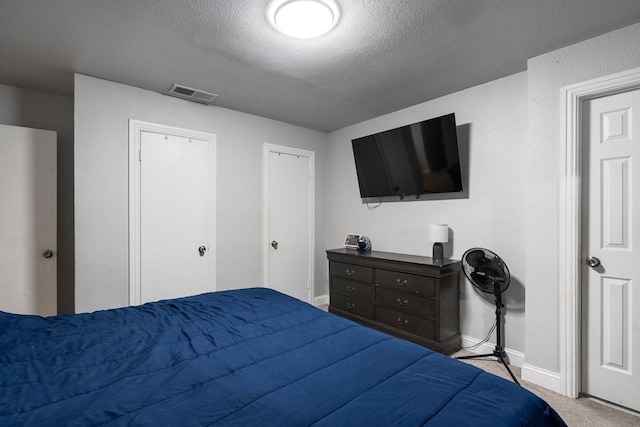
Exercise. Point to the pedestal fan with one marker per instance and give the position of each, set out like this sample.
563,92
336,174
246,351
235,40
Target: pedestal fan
489,273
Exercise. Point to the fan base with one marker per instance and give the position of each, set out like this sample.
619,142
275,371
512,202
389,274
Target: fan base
497,352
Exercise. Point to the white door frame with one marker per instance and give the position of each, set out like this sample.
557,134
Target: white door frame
136,127
272,148
571,218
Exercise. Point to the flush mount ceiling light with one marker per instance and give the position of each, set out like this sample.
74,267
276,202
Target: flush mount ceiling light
304,19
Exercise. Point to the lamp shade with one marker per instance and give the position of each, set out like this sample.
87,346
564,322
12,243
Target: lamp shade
438,233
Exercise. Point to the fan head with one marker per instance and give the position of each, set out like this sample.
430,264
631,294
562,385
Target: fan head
486,270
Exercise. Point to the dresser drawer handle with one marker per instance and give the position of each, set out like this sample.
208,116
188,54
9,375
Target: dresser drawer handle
351,288
402,303
401,283
403,322
351,305
350,272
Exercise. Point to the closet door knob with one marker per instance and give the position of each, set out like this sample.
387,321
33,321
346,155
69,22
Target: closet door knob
593,261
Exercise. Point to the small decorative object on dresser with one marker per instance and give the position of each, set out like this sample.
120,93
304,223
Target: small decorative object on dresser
439,234
364,243
351,240
408,296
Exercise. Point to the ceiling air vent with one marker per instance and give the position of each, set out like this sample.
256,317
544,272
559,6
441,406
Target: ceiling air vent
191,94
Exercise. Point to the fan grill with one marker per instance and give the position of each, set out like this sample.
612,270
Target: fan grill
486,270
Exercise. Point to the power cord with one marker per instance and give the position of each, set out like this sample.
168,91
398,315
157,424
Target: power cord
376,206
486,339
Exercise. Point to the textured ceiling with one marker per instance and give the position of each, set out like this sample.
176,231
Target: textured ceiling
382,56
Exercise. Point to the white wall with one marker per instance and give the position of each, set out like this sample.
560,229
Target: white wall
102,111
41,110
491,121
547,74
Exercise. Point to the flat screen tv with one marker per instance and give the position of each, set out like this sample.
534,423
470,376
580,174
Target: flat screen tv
421,158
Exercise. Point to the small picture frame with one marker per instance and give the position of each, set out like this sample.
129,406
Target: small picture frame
351,240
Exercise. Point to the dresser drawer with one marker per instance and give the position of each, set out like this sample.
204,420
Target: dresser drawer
405,322
351,289
407,303
360,306
412,283
349,271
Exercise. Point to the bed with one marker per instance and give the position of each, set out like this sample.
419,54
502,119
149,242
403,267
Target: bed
248,357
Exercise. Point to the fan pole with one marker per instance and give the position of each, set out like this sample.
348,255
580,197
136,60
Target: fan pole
498,301
499,348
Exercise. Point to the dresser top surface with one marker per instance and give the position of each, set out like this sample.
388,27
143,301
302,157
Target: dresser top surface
392,256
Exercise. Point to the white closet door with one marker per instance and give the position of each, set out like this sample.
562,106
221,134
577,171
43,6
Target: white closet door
28,237
176,255
290,222
611,308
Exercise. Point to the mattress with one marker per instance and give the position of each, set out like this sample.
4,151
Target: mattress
245,357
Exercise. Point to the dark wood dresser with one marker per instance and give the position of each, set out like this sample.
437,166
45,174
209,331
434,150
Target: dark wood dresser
407,296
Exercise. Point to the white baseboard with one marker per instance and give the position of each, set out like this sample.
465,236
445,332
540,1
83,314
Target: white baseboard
516,358
542,377
533,374
321,300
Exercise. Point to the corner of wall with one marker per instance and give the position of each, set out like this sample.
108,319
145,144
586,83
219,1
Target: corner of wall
542,377
321,300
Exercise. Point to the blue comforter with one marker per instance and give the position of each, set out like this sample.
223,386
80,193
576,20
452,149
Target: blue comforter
251,357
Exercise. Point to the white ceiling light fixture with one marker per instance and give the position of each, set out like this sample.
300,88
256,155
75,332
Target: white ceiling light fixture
304,19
